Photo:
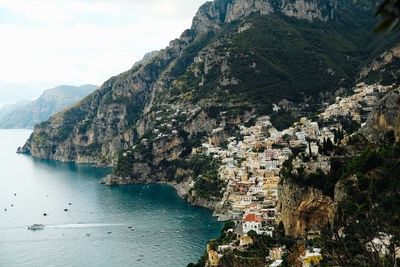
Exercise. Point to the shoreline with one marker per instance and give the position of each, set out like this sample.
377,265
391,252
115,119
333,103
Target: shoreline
182,192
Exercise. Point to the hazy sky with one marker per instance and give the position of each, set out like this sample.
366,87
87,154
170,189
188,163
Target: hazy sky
45,43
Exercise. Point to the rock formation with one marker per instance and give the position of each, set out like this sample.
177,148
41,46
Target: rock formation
383,124
303,208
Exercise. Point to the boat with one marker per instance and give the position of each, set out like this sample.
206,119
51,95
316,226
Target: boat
35,227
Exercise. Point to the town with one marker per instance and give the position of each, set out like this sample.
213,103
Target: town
251,167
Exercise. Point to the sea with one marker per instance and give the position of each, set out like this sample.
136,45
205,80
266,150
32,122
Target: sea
90,224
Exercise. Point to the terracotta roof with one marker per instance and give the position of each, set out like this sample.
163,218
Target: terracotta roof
252,218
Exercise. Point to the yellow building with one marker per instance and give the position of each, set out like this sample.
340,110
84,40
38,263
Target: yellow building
271,182
213,258
311,258
245,177
312,261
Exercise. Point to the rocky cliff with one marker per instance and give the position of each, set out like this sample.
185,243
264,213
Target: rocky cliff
383,124
236,61
303,208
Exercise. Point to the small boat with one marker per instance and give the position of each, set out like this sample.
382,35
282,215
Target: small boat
35,227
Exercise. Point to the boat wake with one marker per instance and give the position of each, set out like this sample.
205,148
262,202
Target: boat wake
81,225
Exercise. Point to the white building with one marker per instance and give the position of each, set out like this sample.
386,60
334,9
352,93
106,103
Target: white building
252,222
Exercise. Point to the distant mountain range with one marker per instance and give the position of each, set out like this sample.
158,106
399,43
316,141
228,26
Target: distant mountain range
4,110
25,114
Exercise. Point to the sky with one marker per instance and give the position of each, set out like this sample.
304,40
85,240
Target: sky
46,43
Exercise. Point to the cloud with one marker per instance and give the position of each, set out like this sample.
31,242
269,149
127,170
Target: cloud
84,41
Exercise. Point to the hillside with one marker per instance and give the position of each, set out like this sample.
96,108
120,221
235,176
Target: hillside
238,59
49,103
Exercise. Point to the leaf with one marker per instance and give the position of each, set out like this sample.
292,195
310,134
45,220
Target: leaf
383,26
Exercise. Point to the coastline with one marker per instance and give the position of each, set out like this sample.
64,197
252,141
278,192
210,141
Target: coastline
183,192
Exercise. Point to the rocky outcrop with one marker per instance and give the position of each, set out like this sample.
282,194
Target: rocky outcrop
384,59
204,203
240,9
303,208
383,124
147,57
309,10
213,14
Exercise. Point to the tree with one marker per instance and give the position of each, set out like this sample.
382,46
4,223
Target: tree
389,12
325,147
280,230
329,145
296,252
229,225
252,233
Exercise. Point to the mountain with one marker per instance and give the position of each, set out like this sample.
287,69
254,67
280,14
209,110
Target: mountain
50,102
146,57
4,110
240,59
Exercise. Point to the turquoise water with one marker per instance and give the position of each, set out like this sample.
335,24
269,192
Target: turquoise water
167,231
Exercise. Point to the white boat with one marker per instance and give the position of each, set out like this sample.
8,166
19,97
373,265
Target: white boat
35,227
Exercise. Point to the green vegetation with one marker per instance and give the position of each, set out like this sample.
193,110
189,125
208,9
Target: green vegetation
92,149
63,133
282,120
124,165
283,58
207,184
320,180
388,75
41,137
84,126
133,110
191,51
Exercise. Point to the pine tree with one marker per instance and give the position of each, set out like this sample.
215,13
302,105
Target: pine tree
329,145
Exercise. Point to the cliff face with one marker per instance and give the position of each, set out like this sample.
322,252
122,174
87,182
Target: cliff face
383,124
213,14
303,208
